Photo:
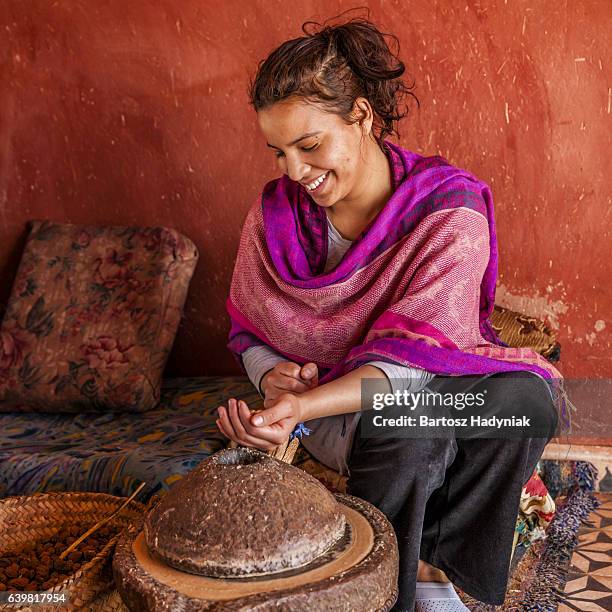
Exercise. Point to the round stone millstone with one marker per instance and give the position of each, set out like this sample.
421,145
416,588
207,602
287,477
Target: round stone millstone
360,575
243,513
315,551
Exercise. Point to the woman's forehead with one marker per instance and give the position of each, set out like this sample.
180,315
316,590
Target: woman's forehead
284,122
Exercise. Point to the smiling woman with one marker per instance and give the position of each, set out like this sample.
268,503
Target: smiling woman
368,261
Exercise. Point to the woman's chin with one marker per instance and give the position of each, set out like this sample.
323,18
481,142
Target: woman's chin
326,199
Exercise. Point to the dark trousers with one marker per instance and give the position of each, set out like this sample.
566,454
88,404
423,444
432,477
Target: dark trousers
454,502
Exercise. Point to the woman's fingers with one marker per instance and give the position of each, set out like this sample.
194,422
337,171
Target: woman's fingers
308,370
222,430
293,372
289,377
310,373
237,421
226,423
289,368
278,431
265,430
242,436
231,426
287,383
255,432
281,410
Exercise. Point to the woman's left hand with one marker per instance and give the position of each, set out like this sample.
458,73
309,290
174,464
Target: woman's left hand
264,430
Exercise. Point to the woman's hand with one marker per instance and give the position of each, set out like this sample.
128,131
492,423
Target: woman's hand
264,430
288,377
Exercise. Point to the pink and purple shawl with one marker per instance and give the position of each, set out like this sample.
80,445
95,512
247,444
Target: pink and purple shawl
416,288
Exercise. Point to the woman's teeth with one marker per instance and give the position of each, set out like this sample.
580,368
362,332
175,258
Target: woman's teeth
312,186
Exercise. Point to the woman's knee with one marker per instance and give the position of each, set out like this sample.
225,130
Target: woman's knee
525,394
392,464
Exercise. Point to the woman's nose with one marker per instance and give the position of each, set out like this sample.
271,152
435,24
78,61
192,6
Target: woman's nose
296,169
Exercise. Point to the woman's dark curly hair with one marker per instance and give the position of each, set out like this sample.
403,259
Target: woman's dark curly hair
333,65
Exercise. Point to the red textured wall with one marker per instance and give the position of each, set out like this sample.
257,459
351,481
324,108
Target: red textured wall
115,112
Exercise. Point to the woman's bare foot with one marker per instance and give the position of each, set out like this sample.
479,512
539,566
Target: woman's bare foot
429,573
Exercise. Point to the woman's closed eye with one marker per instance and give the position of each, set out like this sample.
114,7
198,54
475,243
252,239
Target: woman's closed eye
307,149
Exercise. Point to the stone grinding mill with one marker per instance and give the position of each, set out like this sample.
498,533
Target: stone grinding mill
245,531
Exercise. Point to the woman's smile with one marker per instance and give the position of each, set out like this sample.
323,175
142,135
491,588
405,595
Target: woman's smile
318,184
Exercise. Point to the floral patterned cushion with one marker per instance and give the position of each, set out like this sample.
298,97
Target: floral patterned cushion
91,318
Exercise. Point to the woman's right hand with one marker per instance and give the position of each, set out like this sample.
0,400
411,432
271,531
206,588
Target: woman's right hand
288,377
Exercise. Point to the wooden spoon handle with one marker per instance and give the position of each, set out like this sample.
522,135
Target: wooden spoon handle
102,522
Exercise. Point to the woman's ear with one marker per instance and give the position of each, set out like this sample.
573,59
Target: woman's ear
364,115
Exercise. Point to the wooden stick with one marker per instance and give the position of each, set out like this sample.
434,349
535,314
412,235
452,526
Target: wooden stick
291,450
102,522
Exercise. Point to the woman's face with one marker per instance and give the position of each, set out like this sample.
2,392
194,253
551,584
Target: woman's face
316,148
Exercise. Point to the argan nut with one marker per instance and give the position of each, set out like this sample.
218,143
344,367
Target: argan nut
19,582
12,571
75,555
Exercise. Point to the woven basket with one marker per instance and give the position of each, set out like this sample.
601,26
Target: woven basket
38,517
519,330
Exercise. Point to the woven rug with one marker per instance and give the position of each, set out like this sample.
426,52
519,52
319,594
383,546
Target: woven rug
542,572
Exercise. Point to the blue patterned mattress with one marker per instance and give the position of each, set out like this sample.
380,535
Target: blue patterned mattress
114,452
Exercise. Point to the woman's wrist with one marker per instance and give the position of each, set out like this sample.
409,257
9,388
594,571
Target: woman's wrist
303,407
339,396
262,380
297,405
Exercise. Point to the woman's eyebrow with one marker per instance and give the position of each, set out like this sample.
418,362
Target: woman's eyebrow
296,140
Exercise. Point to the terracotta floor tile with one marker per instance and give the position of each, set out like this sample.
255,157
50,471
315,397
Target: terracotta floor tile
595,546
589,536
592,569
600,557
576,584
604,581
579,564
590,562
590,595
590,606
594,522
606,505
